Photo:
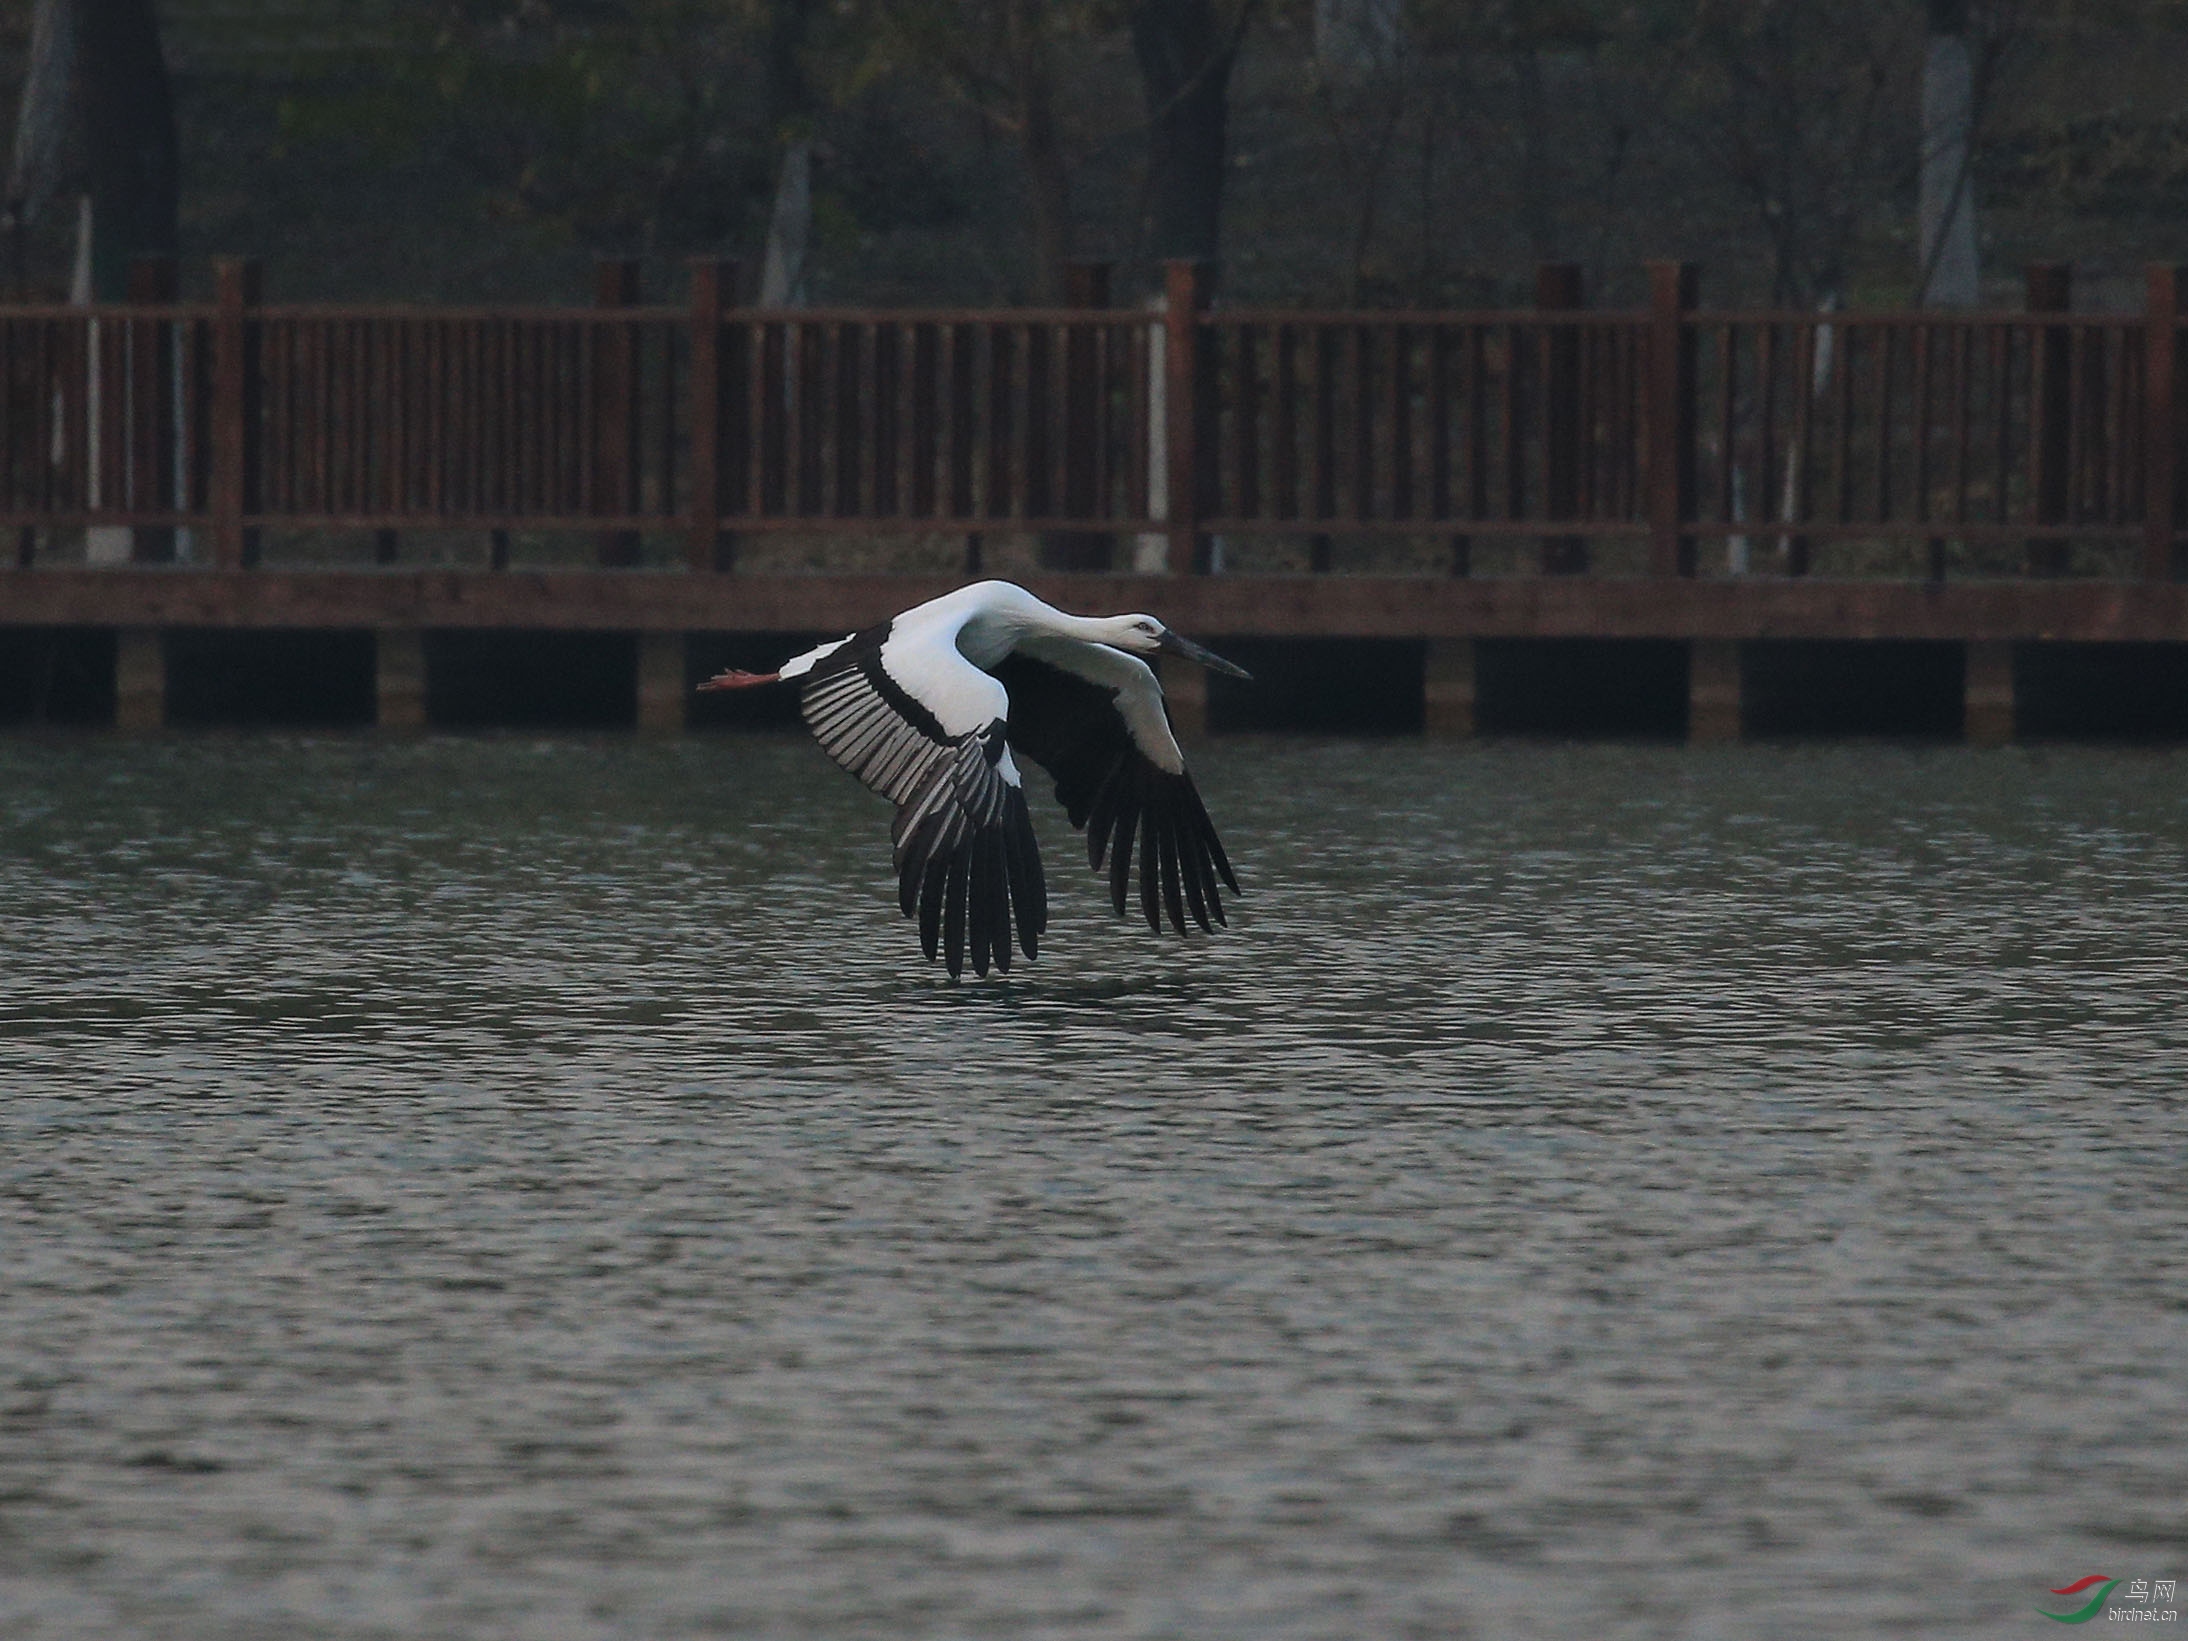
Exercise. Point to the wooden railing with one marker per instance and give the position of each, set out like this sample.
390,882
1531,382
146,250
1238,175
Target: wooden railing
1664,424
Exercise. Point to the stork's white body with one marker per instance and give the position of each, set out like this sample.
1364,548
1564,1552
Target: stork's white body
928,709
941,652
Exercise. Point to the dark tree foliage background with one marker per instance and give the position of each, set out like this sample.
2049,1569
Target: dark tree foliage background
964,149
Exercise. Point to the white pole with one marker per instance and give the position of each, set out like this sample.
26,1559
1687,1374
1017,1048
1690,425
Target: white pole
103,543
1789,496
1151,549
185,543
1736,547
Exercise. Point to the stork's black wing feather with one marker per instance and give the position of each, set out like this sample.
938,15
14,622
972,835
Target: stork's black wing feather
964,847
965,855
1074,728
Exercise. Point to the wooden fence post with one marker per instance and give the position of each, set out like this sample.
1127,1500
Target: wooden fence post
2050,290
2161,415
238,288
1182,410
713,288
1086,285
1558,288
615,408
152,422
1673,288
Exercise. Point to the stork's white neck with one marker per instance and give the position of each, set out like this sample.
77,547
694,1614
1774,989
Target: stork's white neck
1005,614
1090,629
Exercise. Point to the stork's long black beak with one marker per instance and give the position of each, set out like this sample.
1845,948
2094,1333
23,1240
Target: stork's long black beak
1172,644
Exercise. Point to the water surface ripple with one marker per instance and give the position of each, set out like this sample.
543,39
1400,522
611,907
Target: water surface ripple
531,1187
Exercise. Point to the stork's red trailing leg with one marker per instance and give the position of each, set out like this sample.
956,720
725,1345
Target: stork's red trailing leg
738,678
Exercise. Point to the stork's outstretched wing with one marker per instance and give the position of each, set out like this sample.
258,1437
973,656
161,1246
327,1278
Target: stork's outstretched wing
1093,718
964,852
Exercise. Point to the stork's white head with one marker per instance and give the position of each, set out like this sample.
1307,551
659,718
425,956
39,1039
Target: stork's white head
1144,635
1138,634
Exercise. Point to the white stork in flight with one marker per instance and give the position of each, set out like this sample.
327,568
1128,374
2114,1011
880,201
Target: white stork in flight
927,710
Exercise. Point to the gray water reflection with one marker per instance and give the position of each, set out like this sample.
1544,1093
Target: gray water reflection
532,1188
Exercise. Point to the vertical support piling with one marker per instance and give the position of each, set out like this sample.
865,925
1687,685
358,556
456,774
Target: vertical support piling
1448,693
1713,691
140,680
233,493
1558,288
1987,694
399,678
1670,408
2051,428
662,695
616,415
1182,412
2161,432
1185,688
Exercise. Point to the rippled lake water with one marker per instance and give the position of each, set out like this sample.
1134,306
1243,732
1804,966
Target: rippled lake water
533,1188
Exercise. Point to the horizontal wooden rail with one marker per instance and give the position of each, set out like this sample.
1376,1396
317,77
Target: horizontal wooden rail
1771,430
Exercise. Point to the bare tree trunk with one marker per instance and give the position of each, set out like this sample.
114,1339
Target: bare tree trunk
789,228
79,269
789,93
1048,179
42,120
129,132
1365,95
1356,38
1369,181
1185,58
1535,182
789,110
1945,212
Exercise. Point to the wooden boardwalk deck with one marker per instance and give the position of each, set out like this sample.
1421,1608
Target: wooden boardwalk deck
2045,440
1347,606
